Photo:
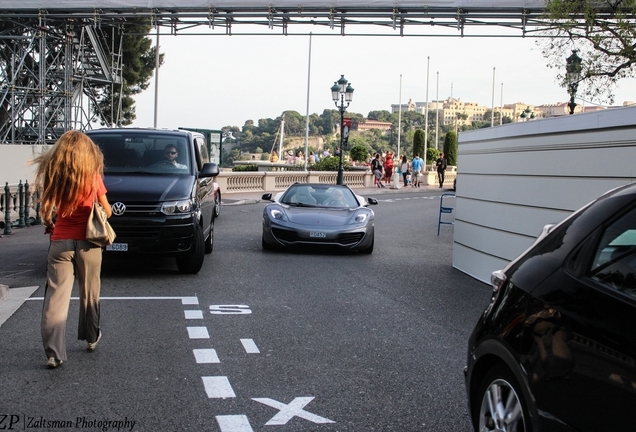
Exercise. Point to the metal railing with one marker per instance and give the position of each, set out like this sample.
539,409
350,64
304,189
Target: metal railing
19,207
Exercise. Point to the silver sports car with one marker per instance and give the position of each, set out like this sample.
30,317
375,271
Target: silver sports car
314,214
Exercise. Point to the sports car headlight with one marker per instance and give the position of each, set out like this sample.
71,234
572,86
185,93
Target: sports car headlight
277,214
174,207
359,218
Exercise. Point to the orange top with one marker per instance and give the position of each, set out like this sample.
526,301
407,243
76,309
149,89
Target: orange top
73,227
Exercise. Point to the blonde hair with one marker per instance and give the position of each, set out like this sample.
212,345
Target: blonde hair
65,174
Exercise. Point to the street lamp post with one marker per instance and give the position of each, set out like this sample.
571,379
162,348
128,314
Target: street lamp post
573,69
342,92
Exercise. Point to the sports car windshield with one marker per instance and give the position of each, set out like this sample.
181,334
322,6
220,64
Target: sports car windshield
320,196
144,153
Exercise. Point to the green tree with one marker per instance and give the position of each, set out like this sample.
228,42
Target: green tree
431,155
382,115
603,33
359,153
419,146
450,148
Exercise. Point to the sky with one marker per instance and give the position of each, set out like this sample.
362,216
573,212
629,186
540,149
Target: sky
215,81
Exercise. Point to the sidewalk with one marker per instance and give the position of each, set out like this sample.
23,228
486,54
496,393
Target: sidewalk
239,198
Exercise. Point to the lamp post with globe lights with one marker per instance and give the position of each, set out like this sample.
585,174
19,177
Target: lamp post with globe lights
342,92
573,69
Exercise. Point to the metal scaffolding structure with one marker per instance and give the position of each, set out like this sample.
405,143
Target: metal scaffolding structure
55,61
52,77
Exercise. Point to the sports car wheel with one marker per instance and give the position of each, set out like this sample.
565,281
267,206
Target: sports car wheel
502,407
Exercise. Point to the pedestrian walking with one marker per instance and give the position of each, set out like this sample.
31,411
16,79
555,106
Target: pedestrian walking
416,164
404,169
69,178
388,166
441,165
376,169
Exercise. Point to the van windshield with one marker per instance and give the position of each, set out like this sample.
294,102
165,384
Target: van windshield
144,153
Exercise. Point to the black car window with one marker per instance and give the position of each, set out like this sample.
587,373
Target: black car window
614,261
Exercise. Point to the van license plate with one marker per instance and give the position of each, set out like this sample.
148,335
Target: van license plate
120,247
318,234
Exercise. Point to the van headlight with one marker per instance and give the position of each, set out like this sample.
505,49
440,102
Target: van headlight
174,207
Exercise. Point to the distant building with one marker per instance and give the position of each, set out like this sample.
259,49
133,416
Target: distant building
557,109
453,110
374,124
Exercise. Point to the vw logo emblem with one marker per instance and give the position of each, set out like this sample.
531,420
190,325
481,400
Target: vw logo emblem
119,208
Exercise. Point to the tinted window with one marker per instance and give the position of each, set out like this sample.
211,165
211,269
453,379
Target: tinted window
614,263
148,153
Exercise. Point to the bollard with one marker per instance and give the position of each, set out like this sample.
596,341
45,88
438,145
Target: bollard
7,209
21,223
27,220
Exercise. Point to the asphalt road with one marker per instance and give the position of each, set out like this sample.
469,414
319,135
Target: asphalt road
257,341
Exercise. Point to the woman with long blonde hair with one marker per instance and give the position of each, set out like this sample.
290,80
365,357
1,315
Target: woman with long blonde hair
69,178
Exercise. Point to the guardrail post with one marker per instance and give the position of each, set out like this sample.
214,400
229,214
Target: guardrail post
27,220
7,209
21,223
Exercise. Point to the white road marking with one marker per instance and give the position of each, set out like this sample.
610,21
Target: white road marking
206,356
230,309
13,299
291,410
198,333
250,346
234,423
218,387
184,300
190,300
194,314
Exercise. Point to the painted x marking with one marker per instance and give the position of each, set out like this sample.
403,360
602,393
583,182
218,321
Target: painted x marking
293,409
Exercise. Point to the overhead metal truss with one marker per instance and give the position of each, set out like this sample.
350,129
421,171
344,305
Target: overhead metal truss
52,77
55,62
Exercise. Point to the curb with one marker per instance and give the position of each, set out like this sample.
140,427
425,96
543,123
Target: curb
240,202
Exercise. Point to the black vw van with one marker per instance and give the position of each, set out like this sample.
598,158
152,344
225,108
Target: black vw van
161,186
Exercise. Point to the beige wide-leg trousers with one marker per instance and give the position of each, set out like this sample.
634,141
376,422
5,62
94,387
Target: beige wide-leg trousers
66,259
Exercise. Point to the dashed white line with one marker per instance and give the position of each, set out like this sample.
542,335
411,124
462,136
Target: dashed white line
194,314
198,333
234,423
218,387
190,300
206,356
250,346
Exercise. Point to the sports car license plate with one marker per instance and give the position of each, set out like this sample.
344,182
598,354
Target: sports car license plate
318,234
120,247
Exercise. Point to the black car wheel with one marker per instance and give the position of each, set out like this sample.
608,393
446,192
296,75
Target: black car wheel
501,404
209,242
192,261
217,204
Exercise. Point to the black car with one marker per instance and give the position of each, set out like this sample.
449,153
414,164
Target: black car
555,350
161,187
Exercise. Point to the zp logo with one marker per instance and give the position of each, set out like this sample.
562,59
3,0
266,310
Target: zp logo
7,421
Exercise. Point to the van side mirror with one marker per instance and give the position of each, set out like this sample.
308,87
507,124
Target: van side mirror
209,169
